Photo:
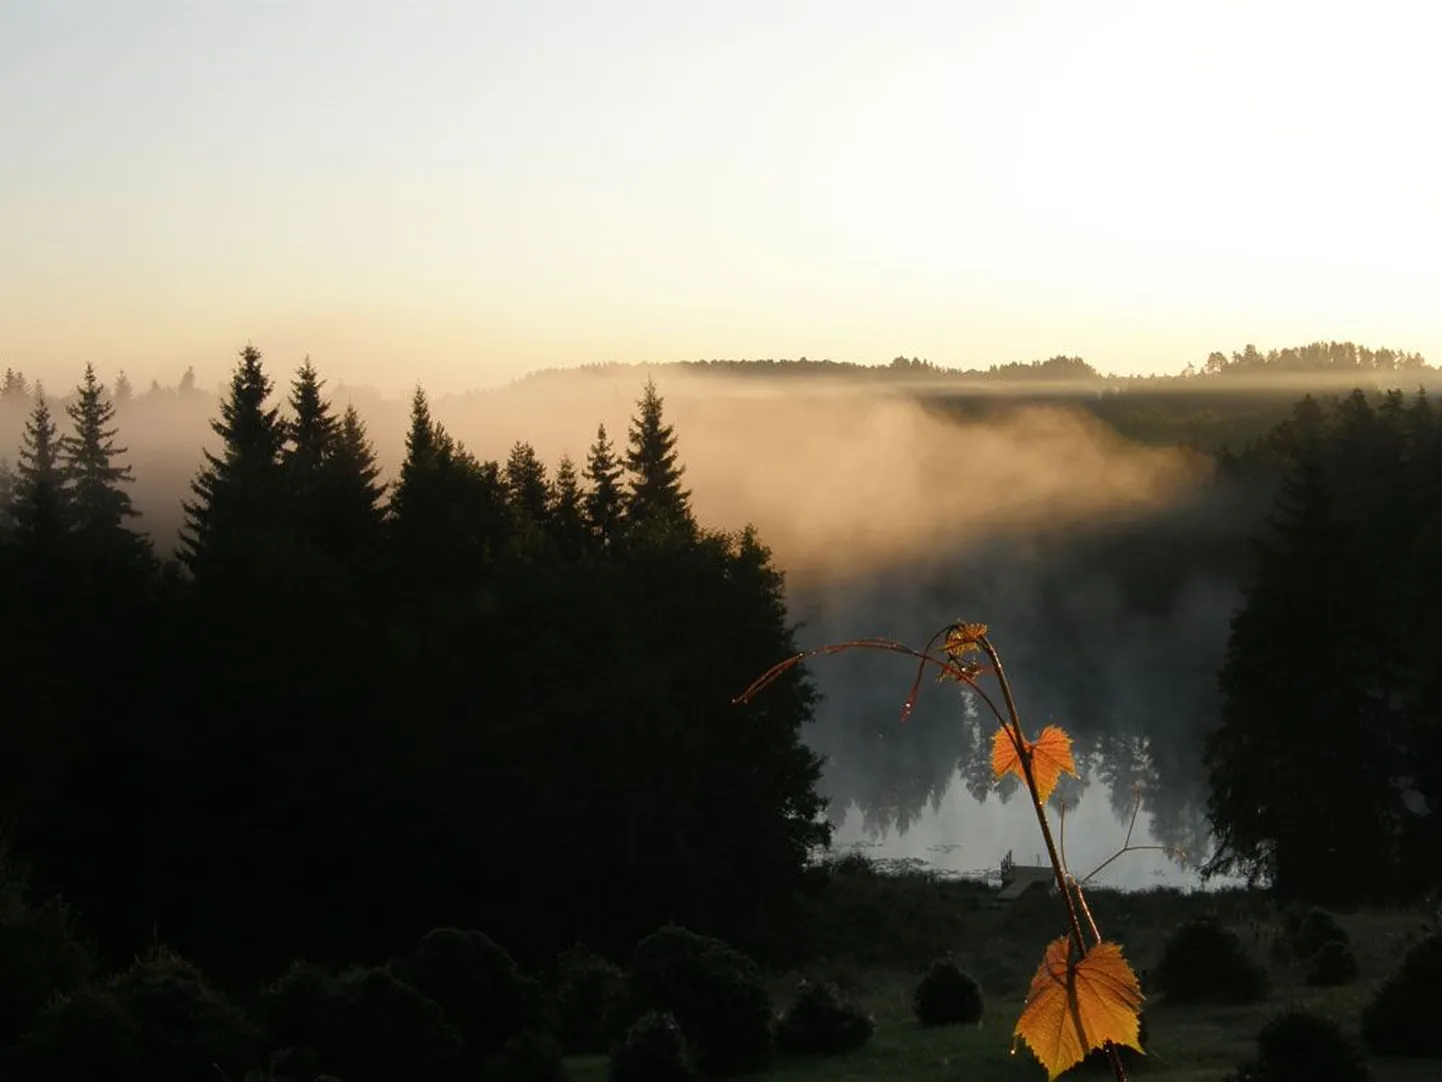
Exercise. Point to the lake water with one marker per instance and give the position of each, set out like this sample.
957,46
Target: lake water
961,821
1137,700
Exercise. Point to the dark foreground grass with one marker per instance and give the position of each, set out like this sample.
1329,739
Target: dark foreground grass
898,924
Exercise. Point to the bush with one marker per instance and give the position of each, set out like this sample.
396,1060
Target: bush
479,988
653,1050
183,1027
1205,962
713,991
160,1021
1401,1019
946,996
1333,964
40,957
1308,931
1299,1046
300,1010
365,1025
590,1001
79,1037
527,1057
820,1020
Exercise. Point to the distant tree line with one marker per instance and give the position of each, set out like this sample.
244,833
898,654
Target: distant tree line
490,693
1326,769
1315,358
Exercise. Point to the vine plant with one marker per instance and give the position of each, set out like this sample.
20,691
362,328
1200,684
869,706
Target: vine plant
1084,994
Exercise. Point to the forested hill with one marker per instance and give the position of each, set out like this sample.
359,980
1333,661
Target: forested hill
1225,401
1338,360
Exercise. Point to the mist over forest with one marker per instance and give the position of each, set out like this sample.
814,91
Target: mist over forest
899,499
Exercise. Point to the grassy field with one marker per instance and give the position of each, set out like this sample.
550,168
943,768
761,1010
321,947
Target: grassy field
897,924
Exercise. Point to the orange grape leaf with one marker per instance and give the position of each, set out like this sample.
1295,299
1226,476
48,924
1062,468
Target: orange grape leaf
1073,1008
965,638
1050,757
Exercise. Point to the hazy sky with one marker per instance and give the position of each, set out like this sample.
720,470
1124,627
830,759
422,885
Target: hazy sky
461,192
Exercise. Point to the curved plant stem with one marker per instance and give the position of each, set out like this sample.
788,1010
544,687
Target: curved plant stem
1019,736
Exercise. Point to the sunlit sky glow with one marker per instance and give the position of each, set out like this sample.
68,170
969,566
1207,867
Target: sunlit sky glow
462,192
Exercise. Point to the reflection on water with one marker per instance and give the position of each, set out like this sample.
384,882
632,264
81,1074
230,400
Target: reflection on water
959,820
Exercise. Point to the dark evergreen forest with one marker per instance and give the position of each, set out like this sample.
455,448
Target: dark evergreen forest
1326,767
494,694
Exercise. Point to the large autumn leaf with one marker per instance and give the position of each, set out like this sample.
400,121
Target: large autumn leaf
1072,1008
1050,757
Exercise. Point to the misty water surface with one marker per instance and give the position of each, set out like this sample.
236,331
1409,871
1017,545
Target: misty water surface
1113,631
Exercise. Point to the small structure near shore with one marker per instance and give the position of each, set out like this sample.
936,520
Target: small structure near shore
1017,879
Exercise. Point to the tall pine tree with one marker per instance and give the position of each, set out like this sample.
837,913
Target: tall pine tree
40,505
604,502
240,493
99,505
310,441
526,488
351,494
311,433
567,515
447,511
655,497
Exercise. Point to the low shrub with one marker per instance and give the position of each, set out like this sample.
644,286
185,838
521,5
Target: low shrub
183,1026
479,987
590,1001
946,996
1309,930
160,1021
713,991
1205,962
79,1036
1332,964
41,956
1401,1019
653,1050
365,1025
1300,1046
821,1021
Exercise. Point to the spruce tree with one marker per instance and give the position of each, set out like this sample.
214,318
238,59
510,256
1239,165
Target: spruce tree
352,492
311,433
416,512
124,392
426,446
567,515
428,450
99,505
604,502
239,492
345,520
655,496
40,504
447,510
526,488
310,439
